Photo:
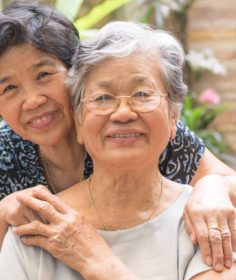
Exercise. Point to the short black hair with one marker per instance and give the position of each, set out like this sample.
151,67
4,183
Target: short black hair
42,26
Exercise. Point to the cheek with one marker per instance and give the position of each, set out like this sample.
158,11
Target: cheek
92,128
160,128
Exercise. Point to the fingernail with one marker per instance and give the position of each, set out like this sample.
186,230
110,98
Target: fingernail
228,263
208,261
219,267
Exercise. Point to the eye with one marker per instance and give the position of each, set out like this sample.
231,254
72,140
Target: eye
42,75
142,94
8,89
101,98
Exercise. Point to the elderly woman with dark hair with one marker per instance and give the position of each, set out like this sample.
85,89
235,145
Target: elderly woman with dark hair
129,224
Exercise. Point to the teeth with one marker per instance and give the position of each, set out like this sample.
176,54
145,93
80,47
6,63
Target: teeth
126,135
40,120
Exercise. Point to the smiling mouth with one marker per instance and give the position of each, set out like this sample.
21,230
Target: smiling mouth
126,135
42,121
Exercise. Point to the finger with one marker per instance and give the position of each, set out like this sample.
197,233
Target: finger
190,228
33,228
17,221
45,210
232,228
16,216
31,216
39,241
43,194
226,243
216,246
201,231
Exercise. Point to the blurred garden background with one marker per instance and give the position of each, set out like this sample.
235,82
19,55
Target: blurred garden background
207,29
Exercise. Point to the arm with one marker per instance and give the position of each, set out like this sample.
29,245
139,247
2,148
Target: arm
210,213
3,227
212,165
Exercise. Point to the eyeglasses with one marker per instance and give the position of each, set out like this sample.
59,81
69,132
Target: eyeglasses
142,101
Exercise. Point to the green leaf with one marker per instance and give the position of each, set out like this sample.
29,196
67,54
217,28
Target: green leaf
99,12
69,8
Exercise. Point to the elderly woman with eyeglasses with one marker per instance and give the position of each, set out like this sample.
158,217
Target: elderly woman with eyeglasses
129,224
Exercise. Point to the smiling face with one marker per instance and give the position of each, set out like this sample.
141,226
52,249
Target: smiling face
125,136
33,97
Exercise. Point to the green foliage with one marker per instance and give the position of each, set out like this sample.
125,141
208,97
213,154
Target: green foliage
69,8
99,12
198,118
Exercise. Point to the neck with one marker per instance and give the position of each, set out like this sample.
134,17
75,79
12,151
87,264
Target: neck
129,199
122,201
64,162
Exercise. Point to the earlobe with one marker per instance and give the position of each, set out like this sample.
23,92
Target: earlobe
173,131
173,120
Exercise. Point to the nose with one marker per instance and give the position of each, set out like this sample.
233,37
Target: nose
33,98
123,112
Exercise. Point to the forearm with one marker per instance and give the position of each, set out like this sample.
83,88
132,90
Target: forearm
3,228
210,165
103,270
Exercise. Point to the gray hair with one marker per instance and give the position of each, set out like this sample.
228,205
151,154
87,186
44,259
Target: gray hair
121,39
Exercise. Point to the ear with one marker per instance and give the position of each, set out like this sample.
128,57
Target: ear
78,126
173,123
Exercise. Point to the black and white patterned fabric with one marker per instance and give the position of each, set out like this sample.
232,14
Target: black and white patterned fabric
20,165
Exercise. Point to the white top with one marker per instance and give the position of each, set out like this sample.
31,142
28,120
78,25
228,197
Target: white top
157,250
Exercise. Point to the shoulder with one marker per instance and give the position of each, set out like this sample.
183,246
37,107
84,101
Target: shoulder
9,140
13,251
30,262
182,156
19,163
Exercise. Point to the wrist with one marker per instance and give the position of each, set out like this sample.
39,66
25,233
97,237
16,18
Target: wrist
231,187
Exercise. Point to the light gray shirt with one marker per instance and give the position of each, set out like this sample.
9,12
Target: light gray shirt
156,250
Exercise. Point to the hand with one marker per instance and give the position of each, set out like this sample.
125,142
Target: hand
14,212
65,233
210,220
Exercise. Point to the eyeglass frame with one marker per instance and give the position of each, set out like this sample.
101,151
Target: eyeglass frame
129,102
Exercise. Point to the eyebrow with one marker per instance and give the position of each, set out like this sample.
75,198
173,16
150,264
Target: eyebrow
4,79
43,62
141,80
135,80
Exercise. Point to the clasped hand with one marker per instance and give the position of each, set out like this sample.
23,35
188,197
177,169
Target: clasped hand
210,221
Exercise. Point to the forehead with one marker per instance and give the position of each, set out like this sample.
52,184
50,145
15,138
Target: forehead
25,55
132,70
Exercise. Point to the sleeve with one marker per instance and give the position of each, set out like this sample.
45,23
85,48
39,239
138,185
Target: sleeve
12,261
182,155
190,262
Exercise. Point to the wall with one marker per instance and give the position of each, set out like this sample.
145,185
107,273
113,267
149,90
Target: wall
212,24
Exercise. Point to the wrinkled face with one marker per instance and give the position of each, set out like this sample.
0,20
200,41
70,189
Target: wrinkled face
125,137
33,97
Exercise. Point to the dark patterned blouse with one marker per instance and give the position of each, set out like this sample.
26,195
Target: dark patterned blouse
21,168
